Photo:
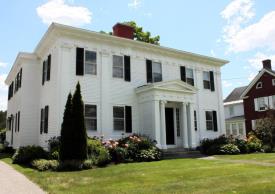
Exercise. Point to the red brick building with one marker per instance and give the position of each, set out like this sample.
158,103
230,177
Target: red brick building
259,96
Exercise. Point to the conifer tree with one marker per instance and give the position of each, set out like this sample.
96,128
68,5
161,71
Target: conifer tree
66,141
79,149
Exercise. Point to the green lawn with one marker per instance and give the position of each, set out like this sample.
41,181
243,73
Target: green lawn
221,175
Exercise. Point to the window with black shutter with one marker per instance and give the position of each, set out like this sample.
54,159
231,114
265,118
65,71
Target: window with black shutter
15,122
128,119
49,67
79,61
215,121
127,68
206,80
18,121
20,79
43,72
42,121
46,119
182,74
212,82
149,71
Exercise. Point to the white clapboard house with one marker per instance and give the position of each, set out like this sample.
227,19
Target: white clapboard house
128,87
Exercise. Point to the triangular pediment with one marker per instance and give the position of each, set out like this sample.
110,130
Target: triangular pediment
174,85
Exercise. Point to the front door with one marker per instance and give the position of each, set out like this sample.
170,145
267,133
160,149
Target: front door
169,119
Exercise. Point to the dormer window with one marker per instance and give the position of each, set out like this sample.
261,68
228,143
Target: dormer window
259,85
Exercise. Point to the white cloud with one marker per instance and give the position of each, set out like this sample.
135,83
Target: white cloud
61,12
226,84
258,35
2,64
3,92
134,4
237,13
213,54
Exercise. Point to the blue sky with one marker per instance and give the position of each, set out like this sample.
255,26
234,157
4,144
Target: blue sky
241,31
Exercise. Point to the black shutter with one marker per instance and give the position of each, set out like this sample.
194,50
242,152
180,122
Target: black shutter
43,70
41,120
127,68
182,73
15,122
149,71
49,67
128,115
18,122
46,117
79,61
20,81
215,121
212,83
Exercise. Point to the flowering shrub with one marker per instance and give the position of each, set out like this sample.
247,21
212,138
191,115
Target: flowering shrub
229,149
133,148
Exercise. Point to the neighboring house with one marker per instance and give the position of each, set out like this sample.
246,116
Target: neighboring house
234,113
259,96
127,86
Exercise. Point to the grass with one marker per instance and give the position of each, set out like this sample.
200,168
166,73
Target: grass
167,176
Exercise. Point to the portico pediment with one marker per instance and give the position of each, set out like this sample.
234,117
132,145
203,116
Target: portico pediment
172,86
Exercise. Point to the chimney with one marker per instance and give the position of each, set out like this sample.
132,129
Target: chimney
267,64
123,31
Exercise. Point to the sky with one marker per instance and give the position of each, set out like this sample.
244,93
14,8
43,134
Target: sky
241,31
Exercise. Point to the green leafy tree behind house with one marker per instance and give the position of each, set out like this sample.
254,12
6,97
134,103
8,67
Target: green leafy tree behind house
3,115
139,34
73,133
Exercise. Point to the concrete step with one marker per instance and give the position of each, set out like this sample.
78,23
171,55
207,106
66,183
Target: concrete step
180,153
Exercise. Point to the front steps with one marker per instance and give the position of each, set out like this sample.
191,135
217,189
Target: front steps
180,153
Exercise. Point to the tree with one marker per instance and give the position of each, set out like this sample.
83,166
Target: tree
79,149
66,141
265,128
140,35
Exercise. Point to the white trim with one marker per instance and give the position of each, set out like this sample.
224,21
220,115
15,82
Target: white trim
233,102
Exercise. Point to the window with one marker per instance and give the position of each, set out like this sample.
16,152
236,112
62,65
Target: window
231,110
91,117
273,82
44,119
157,73
195,121
90,62
241,129
10,91
227,128
209,120
206,80
273,101
118,66
46,70
234,129
189,76
259,85
178,121
261,103
118,114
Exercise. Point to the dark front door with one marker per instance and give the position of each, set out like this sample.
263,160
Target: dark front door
169,119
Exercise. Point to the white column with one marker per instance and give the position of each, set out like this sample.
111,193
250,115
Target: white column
163,125
156,122
192,143
184,125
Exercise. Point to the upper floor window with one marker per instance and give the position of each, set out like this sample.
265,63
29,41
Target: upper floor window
90,117
231,110
261,103
18,81
46,70
187,75
273,82
118,66
90,62
259,85
10,91
154,71
208,80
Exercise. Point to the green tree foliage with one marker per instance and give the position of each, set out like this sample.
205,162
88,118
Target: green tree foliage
265,128
140,35
78,125
66,140
3,115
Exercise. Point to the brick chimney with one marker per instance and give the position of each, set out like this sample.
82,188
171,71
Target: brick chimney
267,64
123,31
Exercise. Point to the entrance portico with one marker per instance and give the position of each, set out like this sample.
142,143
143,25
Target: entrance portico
166,111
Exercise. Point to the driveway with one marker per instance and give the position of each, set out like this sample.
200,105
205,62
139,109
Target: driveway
13,182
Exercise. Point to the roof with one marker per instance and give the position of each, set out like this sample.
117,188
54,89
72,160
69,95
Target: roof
253,82
235,95
236,118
